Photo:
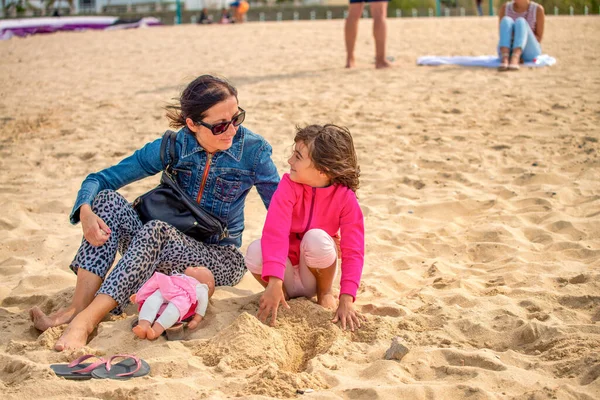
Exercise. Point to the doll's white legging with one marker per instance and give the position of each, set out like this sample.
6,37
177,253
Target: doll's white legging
150,308
317,250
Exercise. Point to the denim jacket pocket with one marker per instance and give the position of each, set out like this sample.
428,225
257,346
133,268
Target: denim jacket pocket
183,174
227,190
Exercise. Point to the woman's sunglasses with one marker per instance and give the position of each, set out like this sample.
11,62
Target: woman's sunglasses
221,127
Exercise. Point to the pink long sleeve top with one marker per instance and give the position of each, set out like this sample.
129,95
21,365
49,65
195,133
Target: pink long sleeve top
295,209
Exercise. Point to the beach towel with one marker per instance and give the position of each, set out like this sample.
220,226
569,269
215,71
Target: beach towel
31,26
481,61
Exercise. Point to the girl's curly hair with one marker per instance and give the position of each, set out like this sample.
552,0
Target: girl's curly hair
331,150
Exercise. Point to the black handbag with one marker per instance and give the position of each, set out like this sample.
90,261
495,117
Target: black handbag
169,203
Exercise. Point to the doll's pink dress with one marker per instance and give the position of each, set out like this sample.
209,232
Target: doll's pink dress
177,289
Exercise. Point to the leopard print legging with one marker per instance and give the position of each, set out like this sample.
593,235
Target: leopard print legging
145,249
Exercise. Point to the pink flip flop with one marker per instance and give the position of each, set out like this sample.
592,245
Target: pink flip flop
130,367
76,369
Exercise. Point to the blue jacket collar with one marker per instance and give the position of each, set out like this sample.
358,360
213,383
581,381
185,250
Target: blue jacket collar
191,145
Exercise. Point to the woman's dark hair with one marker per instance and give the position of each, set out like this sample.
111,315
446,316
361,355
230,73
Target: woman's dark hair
201,94
331,150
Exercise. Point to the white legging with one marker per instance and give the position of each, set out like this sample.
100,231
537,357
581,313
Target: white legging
317,251
152,305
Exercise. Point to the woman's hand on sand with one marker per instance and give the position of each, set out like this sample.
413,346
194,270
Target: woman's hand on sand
95,231
193,324
346,313
269,301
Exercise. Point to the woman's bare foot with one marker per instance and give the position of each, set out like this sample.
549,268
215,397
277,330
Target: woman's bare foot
142,328
350,63
42,321
327,301
155,332
75,336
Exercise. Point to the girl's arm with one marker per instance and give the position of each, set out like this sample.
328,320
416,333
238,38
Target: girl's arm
275,244
275,240
352,246
540,21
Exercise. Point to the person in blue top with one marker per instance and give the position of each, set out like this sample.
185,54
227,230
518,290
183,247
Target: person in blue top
219,161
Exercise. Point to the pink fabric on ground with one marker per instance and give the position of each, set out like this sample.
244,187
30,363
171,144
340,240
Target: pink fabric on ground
177,289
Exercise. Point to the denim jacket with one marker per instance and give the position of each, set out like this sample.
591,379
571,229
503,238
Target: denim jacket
228,176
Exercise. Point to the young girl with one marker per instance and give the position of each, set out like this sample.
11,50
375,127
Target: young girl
297,254
175,297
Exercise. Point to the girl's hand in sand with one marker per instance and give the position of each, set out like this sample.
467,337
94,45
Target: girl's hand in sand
269,301
346,313
193,324
95,231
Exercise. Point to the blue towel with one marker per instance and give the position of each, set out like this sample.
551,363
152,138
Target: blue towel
481,61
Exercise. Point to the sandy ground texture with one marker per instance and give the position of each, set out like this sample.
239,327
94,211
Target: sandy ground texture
480,191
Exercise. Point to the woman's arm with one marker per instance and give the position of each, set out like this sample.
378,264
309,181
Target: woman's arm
267,177
540,17
141,164
501,13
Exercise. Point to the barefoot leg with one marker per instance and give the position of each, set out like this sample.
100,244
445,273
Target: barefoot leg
324,278
78,331
351,31
85,290
379,11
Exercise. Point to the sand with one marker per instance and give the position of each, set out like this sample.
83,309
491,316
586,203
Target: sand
480,192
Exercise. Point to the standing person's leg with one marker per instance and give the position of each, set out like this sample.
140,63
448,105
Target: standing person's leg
355,10
526,41
91,264
318,266
379,13
507,25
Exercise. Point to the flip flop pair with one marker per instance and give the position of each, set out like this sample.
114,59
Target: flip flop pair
130,367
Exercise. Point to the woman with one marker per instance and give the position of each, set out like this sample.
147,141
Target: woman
219,162
521,32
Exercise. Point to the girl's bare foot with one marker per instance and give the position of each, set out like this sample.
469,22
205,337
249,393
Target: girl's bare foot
327,301
42,321
142,328
75,336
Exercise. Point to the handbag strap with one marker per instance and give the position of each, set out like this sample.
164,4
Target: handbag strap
169,138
